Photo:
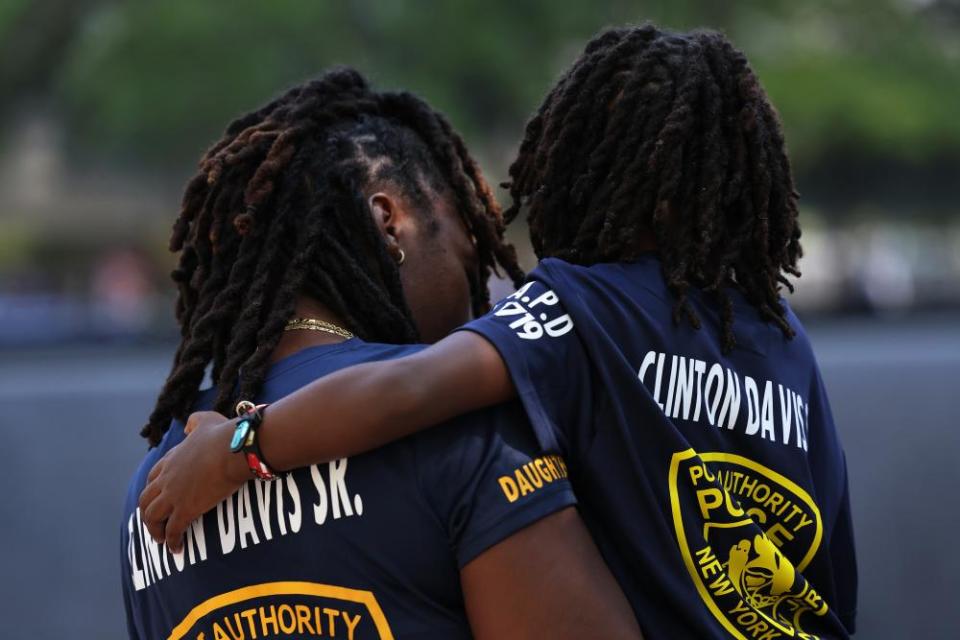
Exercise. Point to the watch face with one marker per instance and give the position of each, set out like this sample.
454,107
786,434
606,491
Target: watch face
239,435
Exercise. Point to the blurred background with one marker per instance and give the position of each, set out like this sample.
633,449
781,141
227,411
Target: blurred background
105,106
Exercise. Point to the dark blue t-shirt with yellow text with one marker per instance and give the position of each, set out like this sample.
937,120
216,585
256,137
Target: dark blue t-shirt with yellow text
365,547
714,483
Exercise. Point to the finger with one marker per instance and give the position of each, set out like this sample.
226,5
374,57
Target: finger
192,422
155,517
157,469
200,419
148,495
176,525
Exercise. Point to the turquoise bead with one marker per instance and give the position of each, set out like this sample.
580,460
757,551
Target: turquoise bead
239,434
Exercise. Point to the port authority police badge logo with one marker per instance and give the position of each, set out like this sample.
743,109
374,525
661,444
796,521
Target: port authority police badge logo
746,534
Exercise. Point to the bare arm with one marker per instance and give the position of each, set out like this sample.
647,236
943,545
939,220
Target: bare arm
368,405
348,412
546,581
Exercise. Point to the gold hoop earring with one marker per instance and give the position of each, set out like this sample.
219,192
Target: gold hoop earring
402,257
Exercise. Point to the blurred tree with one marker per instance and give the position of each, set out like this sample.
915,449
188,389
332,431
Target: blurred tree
158,78
869,86
34,39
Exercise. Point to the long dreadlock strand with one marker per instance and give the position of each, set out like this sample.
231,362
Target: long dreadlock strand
670,137
277,210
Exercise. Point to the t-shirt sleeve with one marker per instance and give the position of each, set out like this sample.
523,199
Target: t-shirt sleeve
535,336
485,478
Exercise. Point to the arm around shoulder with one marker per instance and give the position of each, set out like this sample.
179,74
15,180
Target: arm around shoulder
368,405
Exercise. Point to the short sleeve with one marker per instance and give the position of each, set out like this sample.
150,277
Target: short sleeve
485,478
535,336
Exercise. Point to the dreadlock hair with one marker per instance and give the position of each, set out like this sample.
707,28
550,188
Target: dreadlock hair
670,137
278,209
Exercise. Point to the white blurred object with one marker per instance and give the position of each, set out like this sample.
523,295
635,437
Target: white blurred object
884,272
31,172
821,285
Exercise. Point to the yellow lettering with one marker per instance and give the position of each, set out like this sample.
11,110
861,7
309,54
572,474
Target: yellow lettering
758,628
551,467
804,521
696,472
775,500
542,470
532,475
332,615
525,487
303,619
509,488
272,619
739,607
238,634
794,511
287,609
756,493
248,614
709,499
562,466
711,568
813,599
747,618
705,555
351,623
721,586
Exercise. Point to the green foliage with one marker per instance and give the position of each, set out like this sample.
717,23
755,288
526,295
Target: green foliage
869,76
161,78
157,80
9,10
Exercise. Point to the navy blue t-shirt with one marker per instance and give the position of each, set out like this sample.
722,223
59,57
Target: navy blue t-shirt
365,547
713,483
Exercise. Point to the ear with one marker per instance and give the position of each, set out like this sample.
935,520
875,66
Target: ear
391,219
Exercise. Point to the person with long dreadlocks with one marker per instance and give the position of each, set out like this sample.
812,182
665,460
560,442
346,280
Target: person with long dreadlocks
651,347
333,217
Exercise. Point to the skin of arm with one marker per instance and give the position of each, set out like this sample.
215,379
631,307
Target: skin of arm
546,581
365,406
345,413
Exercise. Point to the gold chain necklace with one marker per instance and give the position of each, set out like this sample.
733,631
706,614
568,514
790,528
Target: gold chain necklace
312,324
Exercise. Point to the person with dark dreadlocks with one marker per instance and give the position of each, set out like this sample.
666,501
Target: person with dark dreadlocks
333,217
651,347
